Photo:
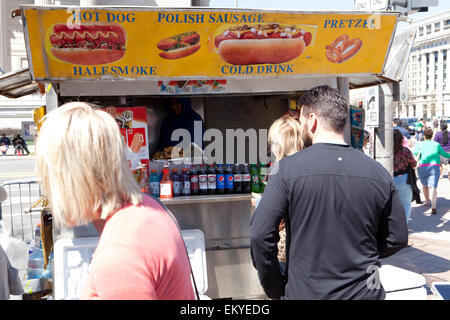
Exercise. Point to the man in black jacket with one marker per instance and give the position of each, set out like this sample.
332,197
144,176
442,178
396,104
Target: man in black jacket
341,210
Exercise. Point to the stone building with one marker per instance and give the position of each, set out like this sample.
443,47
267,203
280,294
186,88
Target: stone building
427,77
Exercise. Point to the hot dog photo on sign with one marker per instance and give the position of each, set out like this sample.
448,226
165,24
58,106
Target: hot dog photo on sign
179,46
268,43
87,44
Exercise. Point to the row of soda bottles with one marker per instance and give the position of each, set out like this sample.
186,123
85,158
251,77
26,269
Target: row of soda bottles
204,180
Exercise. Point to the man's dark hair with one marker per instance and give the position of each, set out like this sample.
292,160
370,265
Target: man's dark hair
428,133
398,122
328,104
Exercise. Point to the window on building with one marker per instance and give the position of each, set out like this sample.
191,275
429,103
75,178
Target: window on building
421,31
437,26
447,24
436,64
429,29
444,69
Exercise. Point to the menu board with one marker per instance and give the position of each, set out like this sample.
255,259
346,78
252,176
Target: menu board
132,122
160,43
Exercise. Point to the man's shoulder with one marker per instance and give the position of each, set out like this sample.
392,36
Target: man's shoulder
317,158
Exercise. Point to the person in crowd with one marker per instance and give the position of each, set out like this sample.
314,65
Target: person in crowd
429,154
435,126
180,116
341,209
140,253
20,145
420,125
403,158
398,126
366,147
5,142
285,139
442,138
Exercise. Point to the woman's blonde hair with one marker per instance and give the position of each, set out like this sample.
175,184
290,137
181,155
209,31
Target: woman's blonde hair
80,159
285,137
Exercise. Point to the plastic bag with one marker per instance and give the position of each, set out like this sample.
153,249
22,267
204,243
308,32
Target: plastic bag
17,253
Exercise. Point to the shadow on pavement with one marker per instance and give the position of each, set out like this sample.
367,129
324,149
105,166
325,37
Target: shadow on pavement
418,261
423,221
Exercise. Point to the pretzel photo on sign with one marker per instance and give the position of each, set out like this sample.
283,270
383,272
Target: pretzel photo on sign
137,143
343,48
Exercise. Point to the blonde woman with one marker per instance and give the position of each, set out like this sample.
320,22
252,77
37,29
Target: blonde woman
85,176
285,139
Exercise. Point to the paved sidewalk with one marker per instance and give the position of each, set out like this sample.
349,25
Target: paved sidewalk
429,250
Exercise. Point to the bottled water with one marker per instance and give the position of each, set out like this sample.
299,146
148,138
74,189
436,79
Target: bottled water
36,258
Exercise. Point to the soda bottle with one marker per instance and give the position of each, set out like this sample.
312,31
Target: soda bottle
263,176
246,180
154,183
255,178
202,181
186,182
143,179
220,179
212,183
166,184
237,177
194,182
229,179
176,183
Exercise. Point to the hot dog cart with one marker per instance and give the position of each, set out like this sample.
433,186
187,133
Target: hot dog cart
138,60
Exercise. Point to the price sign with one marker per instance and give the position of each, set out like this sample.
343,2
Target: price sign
373,107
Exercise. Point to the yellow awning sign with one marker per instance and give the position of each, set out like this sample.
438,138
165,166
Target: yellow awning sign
157,43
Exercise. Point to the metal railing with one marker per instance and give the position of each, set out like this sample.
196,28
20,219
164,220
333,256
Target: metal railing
15,213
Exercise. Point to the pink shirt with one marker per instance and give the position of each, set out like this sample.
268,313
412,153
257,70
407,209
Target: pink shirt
140,255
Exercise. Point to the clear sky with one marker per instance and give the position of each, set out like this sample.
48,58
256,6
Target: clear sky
332,5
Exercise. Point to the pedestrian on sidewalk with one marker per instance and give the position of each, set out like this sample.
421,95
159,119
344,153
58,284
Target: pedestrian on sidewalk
420,125
341,208
4,144
442,138
403,158
429,154
435,126
20,145
403,131
285,139
140,253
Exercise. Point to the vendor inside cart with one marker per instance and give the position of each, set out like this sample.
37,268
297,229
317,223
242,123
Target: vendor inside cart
180,116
